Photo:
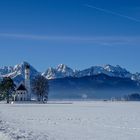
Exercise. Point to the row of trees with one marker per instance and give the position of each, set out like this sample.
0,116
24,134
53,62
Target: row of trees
39,86
132,97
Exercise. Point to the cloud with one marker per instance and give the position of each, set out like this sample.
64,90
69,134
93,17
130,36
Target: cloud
113,13
101,40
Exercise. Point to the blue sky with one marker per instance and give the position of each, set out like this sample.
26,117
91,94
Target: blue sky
79,33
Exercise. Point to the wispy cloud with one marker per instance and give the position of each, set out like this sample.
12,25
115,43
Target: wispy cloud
113,13
101,40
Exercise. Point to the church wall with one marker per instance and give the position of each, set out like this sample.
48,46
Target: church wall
21,95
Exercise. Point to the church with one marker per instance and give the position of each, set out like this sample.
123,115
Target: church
23,90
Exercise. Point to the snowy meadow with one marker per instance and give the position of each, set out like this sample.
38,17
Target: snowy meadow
92,120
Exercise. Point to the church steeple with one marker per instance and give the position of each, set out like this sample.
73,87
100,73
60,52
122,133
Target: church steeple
27,81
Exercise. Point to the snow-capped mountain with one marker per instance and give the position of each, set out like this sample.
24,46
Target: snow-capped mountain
6,69
17,72
136,77
113,71
60,71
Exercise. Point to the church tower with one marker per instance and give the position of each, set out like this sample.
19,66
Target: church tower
27,81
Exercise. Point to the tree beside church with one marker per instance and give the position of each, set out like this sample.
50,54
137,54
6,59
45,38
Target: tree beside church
40,87
7,87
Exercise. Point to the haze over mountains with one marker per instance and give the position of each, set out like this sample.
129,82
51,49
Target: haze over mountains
96,82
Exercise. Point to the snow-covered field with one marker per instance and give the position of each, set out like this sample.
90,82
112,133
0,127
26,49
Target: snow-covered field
76,121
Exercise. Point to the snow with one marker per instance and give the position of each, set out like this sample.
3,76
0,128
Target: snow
92,120
3,137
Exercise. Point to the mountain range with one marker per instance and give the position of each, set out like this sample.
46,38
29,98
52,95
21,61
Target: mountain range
95,82
62,71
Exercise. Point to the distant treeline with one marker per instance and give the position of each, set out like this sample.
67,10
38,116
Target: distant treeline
132,97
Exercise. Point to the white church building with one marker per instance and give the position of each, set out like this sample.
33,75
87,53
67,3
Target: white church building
23,90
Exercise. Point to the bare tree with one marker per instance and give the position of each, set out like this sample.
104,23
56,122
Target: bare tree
40,87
